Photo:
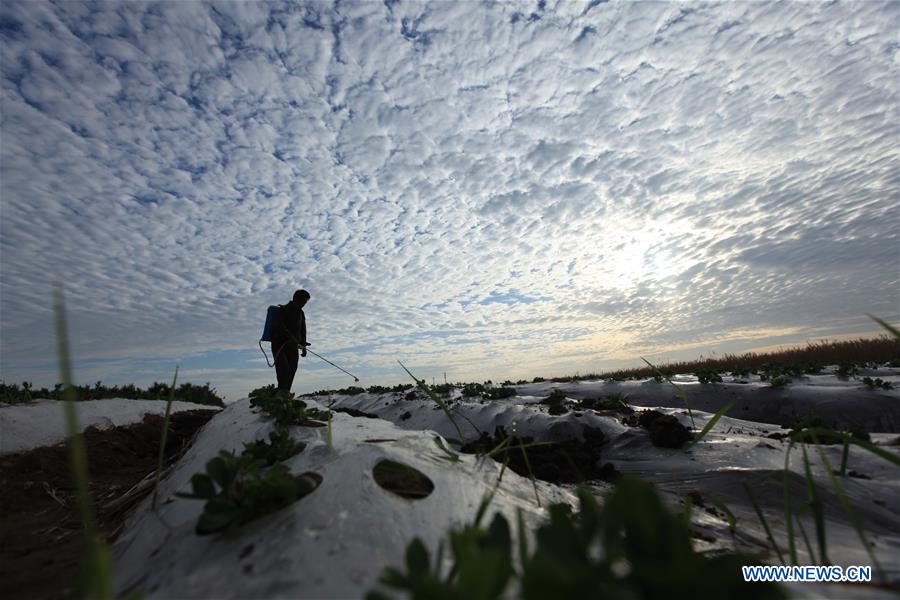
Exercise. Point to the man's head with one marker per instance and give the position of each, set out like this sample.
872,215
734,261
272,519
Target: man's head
301,297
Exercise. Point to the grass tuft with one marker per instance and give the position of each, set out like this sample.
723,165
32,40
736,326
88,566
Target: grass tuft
162,442
424,387
96,569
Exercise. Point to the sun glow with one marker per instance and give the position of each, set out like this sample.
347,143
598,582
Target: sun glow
635,255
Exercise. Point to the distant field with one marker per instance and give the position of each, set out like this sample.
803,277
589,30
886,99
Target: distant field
848,355
808,359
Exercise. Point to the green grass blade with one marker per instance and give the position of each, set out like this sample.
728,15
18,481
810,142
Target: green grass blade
162,443
845,456
892,458
812,556
762,519
688,509
97,566
329,436
792,546
816,506
678,390
424,387
709,425
894,331
500,447
845,504
530,472
523,539
729,516
488,498
451,456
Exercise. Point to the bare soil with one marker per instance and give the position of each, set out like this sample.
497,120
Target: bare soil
41,540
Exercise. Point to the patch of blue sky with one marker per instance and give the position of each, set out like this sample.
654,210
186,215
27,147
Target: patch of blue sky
509,298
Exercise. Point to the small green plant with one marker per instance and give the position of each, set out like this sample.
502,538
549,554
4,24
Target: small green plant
284,408
353,390
443,389
611,402
877,383
281,446
186,392
237,490
470,390
498,393
557,396
11,394
780,381
633,528
847,369
708,376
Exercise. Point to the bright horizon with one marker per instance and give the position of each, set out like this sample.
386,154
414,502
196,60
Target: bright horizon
495,191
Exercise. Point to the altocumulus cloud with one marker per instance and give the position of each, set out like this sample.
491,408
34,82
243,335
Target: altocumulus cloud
487,189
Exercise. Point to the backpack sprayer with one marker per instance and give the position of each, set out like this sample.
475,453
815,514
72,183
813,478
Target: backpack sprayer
271,315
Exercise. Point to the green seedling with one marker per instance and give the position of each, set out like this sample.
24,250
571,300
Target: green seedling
470,390
780,381
499,393
633,528
237,490
482,566
878,382
281,446
847,369
611,402
285,409
162,442
708,376
187,392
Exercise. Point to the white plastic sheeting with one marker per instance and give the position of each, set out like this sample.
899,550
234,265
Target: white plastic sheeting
734,451
42,422
333,543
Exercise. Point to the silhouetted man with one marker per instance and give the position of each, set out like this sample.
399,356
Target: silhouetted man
289,339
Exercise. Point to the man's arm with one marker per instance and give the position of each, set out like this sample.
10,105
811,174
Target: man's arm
303,343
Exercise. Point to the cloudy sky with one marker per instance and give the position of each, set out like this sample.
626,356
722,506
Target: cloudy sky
487,189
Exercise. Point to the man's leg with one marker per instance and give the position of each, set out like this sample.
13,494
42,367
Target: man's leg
281,368
292,357
286,367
